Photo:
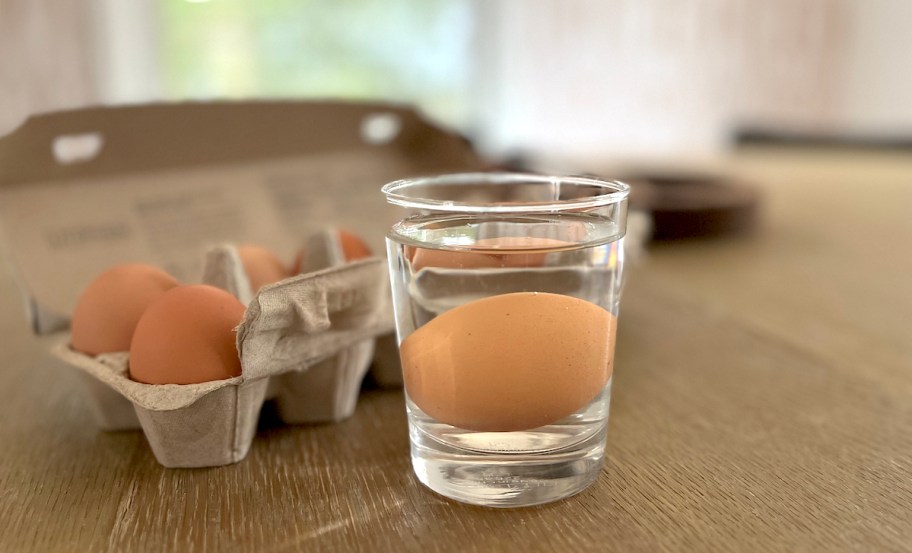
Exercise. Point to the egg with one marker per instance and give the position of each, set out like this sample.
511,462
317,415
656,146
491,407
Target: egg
108,309
187,336
513,256
261,265
353,248
509,362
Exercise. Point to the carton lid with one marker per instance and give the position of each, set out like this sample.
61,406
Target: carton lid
86,189
155,136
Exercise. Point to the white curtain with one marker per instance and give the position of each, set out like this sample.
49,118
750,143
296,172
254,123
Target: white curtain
47,58
620,78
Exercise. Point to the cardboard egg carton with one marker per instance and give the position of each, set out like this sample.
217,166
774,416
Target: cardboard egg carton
83,190
306,341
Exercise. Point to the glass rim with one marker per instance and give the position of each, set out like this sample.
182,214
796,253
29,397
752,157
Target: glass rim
616,192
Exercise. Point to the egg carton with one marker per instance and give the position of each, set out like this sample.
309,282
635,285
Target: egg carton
305,341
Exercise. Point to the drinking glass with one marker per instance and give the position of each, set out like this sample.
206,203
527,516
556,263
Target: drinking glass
506,290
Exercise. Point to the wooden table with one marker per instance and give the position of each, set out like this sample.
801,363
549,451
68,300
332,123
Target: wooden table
763,402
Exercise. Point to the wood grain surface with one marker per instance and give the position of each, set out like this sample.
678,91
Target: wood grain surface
762,402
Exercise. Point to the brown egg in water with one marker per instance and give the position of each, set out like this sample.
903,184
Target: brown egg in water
108,309
510,362
261,265
487,253
187,336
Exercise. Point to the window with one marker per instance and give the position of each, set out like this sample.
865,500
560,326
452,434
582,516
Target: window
411,51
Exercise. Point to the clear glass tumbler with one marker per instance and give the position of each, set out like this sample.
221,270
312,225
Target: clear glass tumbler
506,290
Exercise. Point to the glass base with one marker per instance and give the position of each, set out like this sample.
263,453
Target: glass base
508,480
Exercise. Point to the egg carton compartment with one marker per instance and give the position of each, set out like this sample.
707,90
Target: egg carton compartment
386,370
324,321
325,249
328,390
111,410
318,380
187,425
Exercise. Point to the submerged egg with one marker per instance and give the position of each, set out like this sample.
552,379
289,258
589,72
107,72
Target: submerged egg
109,308
509,362
187,336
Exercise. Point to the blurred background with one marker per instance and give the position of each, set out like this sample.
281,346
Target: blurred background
613,79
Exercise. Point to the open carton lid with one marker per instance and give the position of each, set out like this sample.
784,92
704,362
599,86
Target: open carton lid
83,190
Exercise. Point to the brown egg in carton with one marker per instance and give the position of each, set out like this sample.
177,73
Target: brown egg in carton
323,320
